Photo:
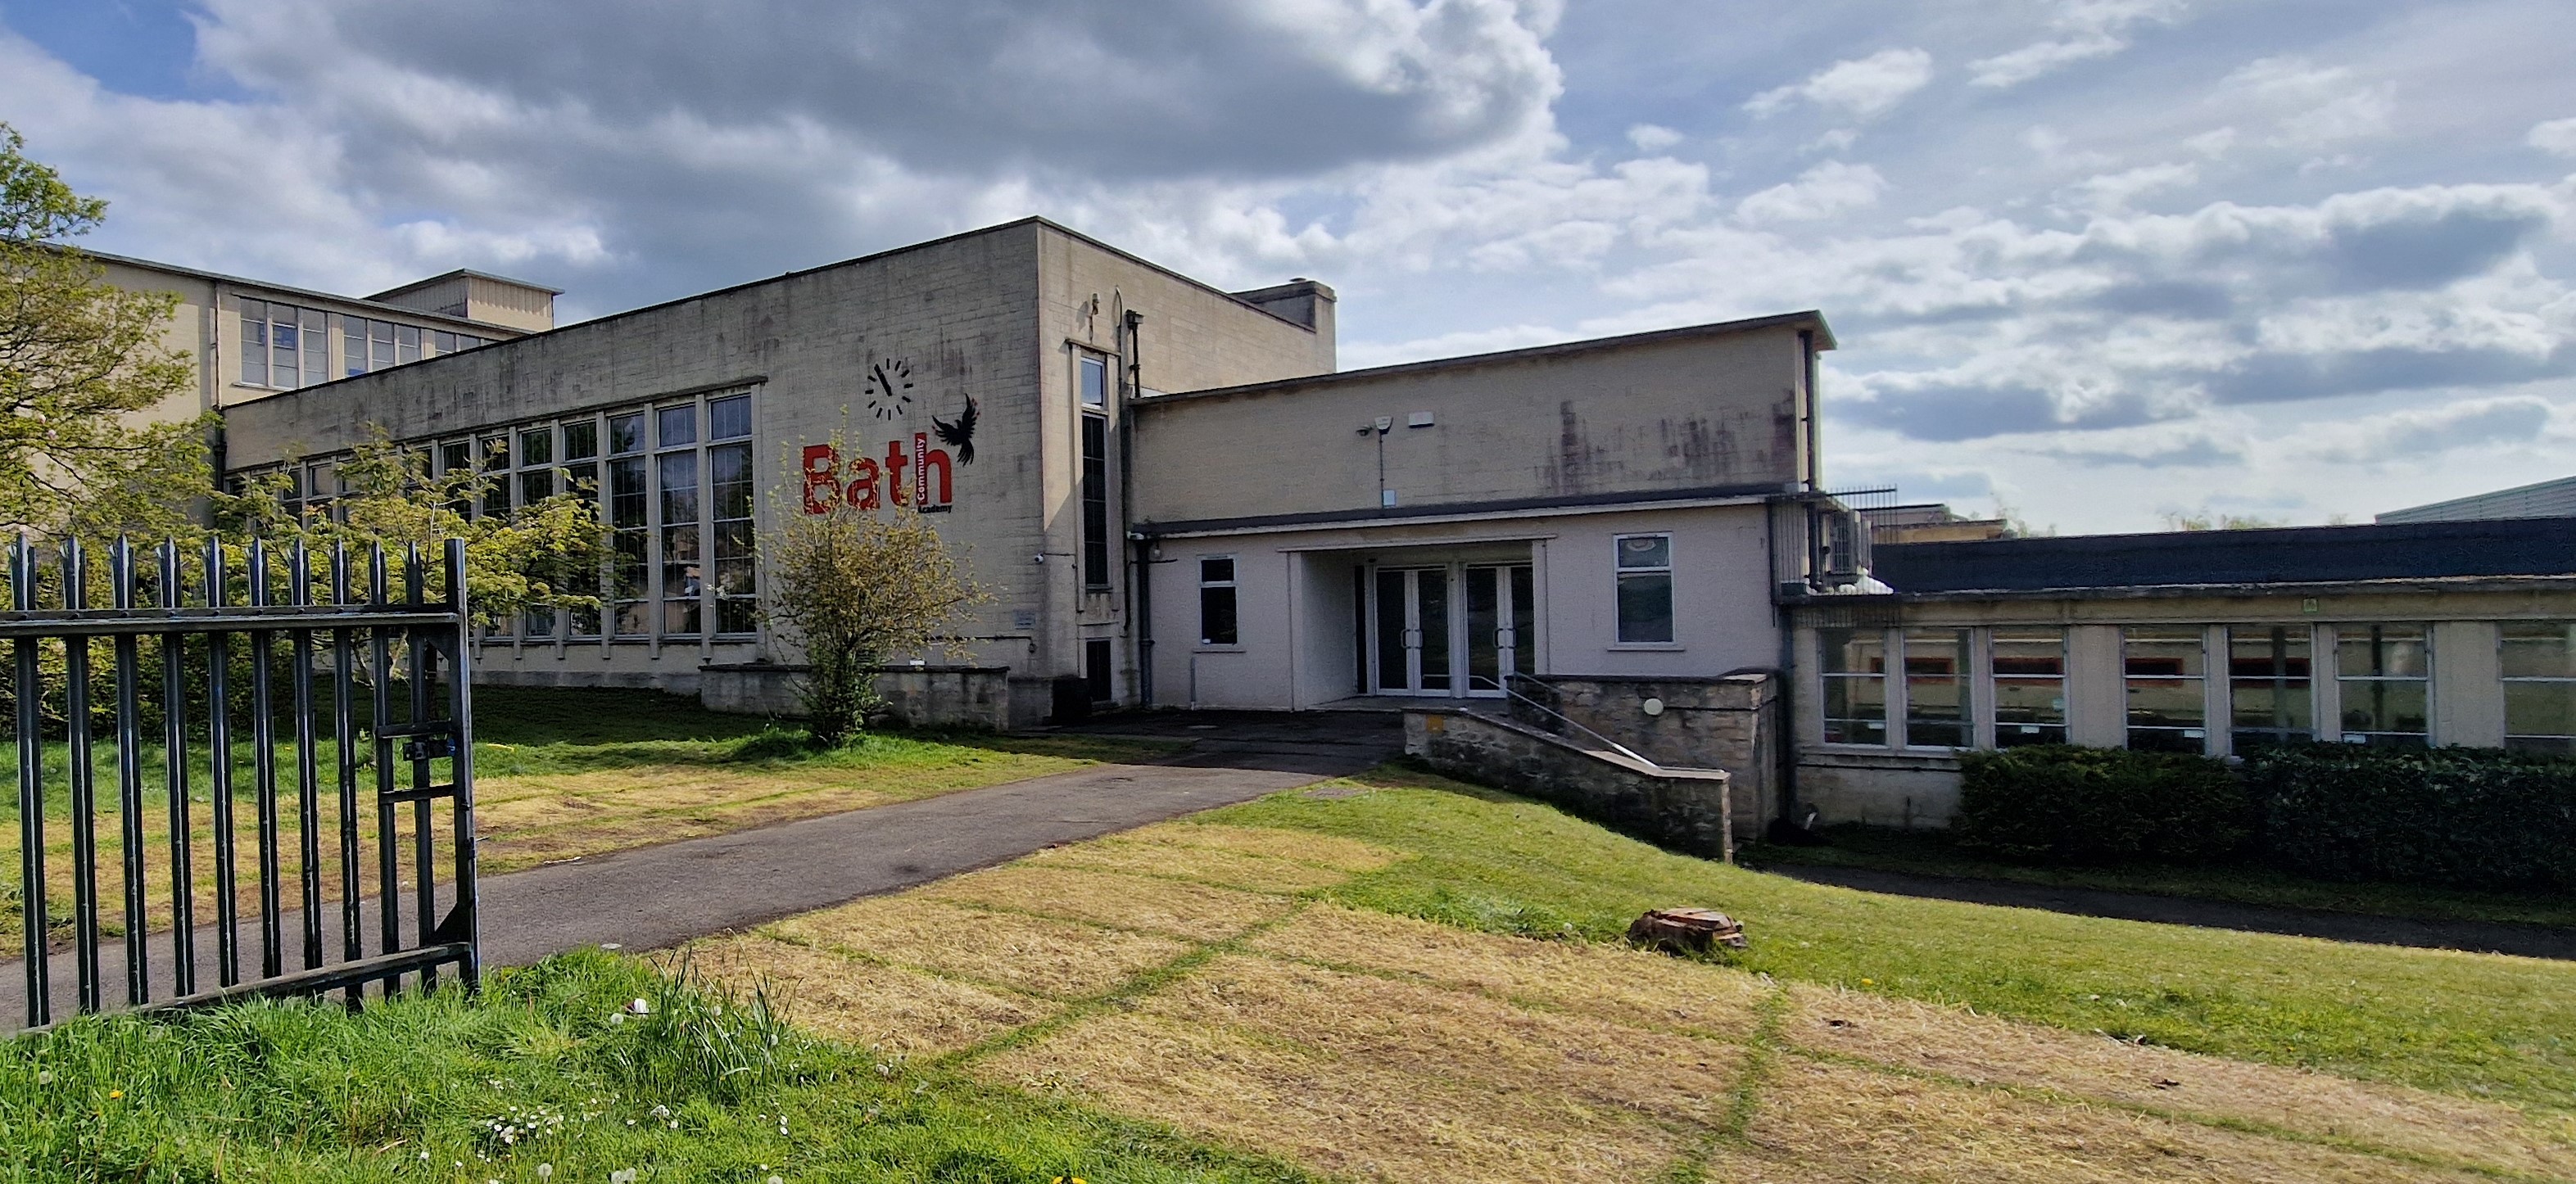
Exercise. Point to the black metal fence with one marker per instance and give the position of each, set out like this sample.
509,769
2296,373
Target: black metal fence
326,677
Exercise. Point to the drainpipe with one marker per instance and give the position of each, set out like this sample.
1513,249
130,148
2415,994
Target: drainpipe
1140,594
1786,743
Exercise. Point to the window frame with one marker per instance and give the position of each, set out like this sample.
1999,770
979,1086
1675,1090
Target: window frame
2537,743
1097,566
1231,586
1622,573
2198,681
1883,726
2346,683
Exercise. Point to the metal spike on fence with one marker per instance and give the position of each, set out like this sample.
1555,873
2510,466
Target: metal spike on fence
129,777
82,775
174,770
31,788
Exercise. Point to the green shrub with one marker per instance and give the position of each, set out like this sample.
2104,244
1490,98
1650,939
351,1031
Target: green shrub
2055,803
2457,816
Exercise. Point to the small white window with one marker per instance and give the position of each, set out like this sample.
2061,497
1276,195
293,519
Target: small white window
1216,600
1645,572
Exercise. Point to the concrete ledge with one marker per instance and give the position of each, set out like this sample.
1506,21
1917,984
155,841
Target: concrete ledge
1683,810
974,696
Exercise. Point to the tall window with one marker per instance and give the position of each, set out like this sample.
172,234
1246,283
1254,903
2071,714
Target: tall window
1216,600
536,465
2030,685
496,475
729,480
1645,574
2165,668
368,345
2540,686
1936,688
629,506
283,346
675,477
2267,686
1095,501
2383,675
1855,677
581,479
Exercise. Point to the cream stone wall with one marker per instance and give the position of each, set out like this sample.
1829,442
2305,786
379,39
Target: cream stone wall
1708,408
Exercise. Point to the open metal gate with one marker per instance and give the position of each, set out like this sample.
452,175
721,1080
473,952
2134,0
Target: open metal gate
219,680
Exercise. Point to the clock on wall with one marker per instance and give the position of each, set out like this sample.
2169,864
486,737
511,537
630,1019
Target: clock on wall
889,387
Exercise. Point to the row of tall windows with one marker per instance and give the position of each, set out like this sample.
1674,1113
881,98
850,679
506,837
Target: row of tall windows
2382,674
674,484
1091,381
287,346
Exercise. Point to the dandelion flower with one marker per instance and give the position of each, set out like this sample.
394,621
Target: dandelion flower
116,1093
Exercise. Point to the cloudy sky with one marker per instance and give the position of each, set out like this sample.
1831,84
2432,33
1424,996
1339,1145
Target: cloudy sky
2095,261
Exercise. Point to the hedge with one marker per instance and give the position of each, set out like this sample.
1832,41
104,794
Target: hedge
2056,803
2464,816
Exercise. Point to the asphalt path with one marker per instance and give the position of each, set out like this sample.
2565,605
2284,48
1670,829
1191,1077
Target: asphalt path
2485,937
654,897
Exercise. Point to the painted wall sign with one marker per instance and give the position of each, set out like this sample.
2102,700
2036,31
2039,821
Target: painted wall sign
923,478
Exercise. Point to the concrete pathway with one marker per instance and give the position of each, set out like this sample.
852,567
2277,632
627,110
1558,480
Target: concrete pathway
2488,937
659,896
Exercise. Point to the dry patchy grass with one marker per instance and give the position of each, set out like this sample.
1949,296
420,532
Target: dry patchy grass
1608,982
1953,1042
1199,912
1356,1120
1036,955
1820,1122
1209,865
888,1008
1333,851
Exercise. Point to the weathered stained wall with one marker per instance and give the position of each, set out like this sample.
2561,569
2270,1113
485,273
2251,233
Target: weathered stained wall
1698,408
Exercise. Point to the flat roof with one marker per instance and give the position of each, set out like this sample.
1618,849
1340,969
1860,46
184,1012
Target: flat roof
468,273
1810,317
2242,558
290,289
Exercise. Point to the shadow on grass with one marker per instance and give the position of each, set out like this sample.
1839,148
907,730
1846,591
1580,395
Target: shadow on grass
525,730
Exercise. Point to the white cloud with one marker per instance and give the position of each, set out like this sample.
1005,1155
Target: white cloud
1652,138
2558,136
1824,191
2093,28
1859,87
2316,106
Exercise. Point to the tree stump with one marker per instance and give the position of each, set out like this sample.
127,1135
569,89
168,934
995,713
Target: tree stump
1686,931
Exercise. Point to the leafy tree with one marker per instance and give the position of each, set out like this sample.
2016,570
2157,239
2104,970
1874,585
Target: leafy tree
856,587
2205,521
78,359
547,555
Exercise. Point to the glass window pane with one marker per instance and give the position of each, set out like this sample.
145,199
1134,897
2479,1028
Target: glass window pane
2540,708
2381,651
442,342
2167,710
1936,703
1646,550
2387,705
729,418
581,439
406,344
536,485
353,346
1216,616
2268,691
1216,571
2539,649
537,446
2029,685
1855,686
626,432
676,425
1646,607
1095,382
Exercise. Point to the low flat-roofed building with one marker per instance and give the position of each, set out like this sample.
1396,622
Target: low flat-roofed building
2544,499
2213,642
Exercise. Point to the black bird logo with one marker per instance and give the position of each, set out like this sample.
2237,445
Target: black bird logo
960,434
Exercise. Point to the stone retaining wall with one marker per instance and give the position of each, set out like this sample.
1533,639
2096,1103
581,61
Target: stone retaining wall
1729,722
973,696
1679,809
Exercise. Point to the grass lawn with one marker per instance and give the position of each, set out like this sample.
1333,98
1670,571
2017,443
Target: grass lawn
535,1081
560,774
1343,981
1932,853
2472,1024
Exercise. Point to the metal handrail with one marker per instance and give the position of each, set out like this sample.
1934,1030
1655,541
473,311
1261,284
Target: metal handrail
1614,745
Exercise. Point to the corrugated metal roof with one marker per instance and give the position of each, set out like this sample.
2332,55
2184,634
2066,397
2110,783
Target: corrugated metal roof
2297,555
2546,499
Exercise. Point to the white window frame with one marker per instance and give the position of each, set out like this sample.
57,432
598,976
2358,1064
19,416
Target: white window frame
1619,573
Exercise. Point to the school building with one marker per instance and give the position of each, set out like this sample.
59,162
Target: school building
1177,499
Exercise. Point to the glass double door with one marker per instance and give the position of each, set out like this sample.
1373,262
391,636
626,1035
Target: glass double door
1459,628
